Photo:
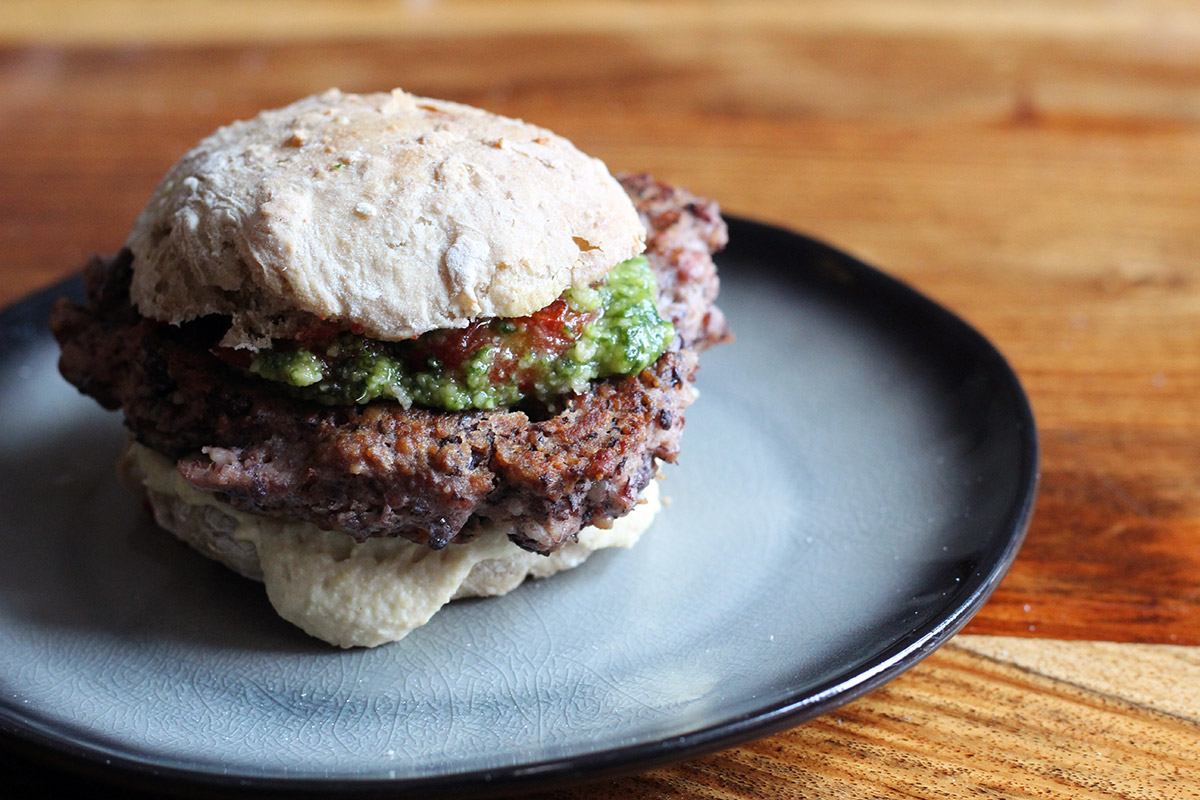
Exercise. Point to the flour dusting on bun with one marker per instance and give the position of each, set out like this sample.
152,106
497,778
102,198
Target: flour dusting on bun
322,208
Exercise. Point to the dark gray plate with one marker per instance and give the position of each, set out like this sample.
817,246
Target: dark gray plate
857,475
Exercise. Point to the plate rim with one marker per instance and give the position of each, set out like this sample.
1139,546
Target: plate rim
28,740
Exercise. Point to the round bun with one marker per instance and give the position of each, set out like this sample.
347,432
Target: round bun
386,212
348,594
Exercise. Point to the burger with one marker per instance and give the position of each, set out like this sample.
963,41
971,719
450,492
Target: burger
382,351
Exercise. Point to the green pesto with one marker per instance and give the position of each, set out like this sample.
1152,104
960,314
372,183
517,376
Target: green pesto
628,336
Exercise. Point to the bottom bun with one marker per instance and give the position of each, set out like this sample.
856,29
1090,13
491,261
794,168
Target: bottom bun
343,592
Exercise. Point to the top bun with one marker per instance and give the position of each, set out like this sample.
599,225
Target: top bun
386,212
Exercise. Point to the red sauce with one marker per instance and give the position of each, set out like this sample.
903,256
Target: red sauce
549,333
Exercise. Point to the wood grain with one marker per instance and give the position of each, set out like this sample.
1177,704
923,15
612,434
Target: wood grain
225,21
962,724
1033,166
1162,677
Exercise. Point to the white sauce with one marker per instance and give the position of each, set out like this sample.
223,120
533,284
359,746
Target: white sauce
351,594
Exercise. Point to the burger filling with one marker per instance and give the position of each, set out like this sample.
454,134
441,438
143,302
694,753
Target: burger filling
382,470
610,328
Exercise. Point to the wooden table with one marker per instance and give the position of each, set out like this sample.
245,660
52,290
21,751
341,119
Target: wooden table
1034,166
